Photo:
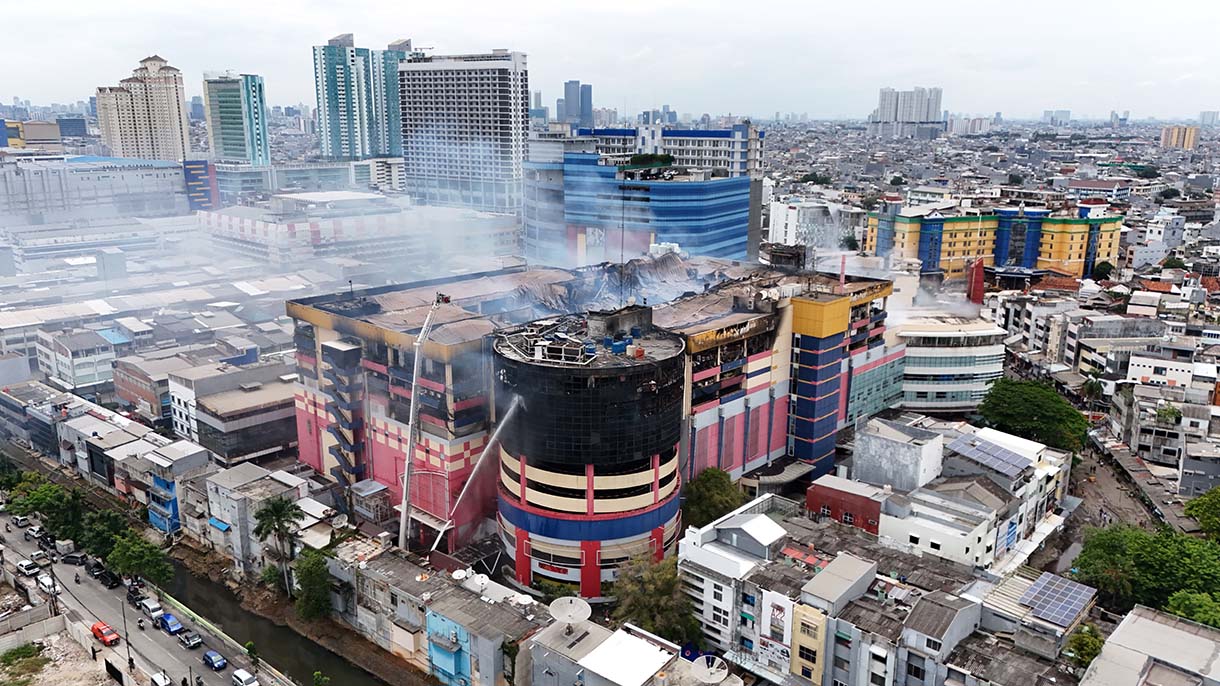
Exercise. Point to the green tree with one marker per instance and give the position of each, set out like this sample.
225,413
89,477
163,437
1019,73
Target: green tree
1015,179
897,181
1168,414
709,496
278,519
1169,193
1106,563
99,530
817,179
252,653
320,679
134,556
1129,565
1091,390
869,202
650,596
1148,172
37,498
1034,411
65,518
1102,271
1173,263
1206,509
1085,645
271,576
313,581
1197,606
849,242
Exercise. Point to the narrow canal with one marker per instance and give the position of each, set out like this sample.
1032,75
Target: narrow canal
286,650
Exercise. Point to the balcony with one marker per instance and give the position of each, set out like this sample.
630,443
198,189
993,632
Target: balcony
159,492
162,510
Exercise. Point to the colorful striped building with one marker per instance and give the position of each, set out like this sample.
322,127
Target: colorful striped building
770,366
946,238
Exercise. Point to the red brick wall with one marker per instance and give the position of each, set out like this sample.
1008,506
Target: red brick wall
865,512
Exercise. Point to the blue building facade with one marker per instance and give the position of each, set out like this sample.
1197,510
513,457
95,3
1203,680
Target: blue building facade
611,213
1018,236
163,505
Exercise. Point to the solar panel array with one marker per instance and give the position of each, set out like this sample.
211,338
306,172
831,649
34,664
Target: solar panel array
989,455
1056,599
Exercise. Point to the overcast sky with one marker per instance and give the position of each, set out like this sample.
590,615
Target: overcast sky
823,57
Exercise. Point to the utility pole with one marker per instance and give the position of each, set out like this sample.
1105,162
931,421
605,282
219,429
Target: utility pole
404,517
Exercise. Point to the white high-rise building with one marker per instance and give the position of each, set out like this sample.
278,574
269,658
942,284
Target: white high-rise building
907,113
145,115
465,119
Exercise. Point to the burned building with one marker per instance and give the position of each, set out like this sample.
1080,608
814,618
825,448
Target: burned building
590,408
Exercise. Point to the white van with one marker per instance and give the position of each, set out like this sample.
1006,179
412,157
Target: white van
152,608
243,678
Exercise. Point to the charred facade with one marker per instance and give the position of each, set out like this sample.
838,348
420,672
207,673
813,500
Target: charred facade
589,461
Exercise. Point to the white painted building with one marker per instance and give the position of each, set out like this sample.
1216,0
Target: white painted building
464,124
77,360
951,361
145,115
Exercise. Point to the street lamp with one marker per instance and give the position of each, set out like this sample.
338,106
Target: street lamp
131,663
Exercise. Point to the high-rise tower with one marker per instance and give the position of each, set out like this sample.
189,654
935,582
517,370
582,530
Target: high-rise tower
145,115
464,125
359,113
236,110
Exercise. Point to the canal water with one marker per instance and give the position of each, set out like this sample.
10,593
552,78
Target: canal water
286,650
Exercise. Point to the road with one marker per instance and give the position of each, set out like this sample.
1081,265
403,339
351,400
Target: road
1107,500
152,649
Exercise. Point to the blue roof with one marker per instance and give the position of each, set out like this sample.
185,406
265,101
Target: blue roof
114,337
218,524
119,161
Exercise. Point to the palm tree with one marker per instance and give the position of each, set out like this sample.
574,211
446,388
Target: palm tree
1092,390
278,519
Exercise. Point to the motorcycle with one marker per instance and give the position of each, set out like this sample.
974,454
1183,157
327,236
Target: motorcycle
77,578
140,623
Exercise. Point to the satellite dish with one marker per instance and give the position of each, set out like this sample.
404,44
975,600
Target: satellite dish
480,581
340,521
570,610
524,600
709,669
459,574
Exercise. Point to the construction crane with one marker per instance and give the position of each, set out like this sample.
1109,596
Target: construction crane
404,516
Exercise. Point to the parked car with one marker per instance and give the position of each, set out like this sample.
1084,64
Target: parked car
134,596
48,584
103,633
20,521
74,558
214,660
243,678
34,532
94,567
161,679
150,607
40,558
109,579
190,639
170,624
47,545
28,568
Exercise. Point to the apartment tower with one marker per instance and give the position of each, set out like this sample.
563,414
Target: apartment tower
464,124
357,93
145,115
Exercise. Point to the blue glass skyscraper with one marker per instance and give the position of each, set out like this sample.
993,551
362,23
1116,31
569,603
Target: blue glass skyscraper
236,111
359,112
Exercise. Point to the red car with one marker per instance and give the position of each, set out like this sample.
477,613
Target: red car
103,633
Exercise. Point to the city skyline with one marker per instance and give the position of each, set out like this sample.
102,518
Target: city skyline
719,76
